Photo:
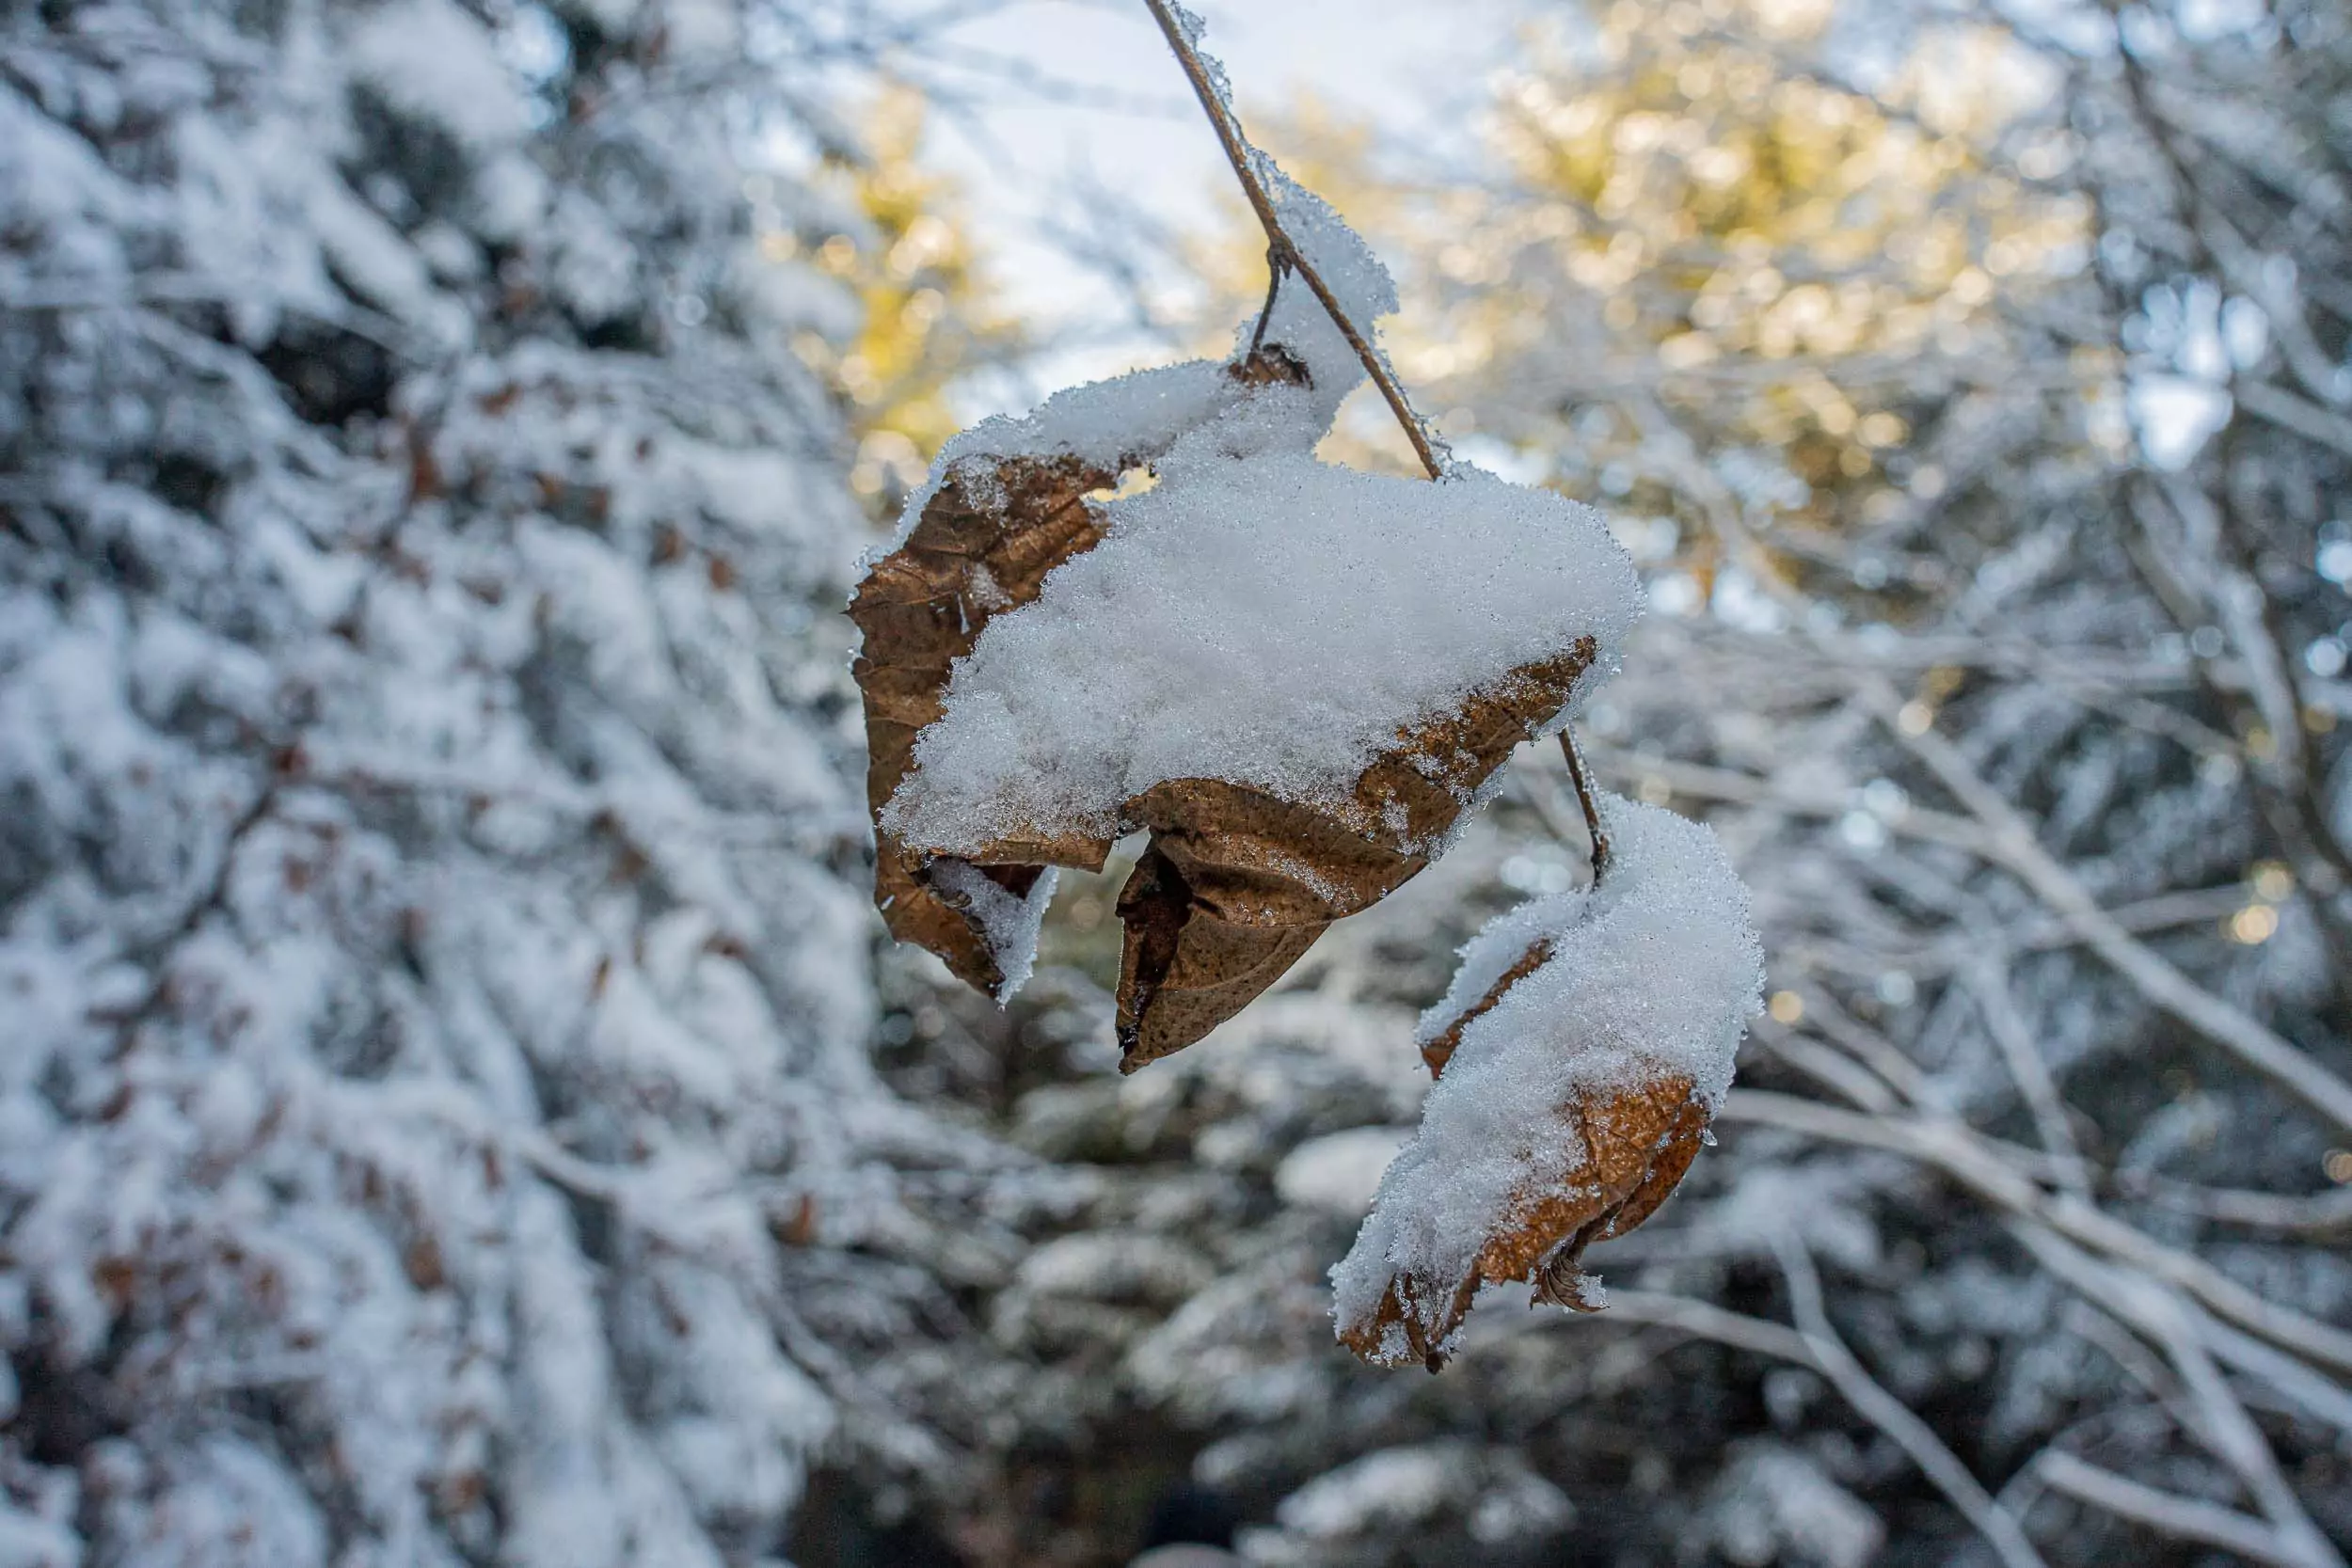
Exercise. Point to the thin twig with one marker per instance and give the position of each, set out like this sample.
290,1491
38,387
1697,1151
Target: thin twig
2319,1216
1989,979
1978,1164
1283,250
1585,797
1942,1468
1275,266
2185,1518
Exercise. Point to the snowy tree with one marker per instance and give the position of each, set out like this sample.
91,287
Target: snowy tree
437,1121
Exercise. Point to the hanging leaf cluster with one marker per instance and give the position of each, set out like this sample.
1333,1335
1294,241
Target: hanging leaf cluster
1147,607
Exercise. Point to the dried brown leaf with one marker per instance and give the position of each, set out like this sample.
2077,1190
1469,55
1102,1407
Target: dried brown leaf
1237,883
982,547
1637,1145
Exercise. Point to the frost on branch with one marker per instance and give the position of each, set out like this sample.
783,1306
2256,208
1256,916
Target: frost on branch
1295,676
1580,1053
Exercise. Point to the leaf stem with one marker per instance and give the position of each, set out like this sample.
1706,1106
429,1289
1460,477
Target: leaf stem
1588,799
1282,251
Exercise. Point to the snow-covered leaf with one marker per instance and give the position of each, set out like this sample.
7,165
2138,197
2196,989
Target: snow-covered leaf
1295,676
1580,1053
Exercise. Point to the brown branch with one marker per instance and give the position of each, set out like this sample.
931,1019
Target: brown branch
1282,251
1282,254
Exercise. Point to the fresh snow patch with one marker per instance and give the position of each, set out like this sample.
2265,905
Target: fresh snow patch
1114,1265
1347,267
1498,1498
1009,924
1108,424
1388,1487
430,59
1774,1503
1258,617
1339,1172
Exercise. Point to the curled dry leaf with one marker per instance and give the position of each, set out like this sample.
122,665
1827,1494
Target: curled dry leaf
1637,1146
981,545
1579,1056
1241,874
